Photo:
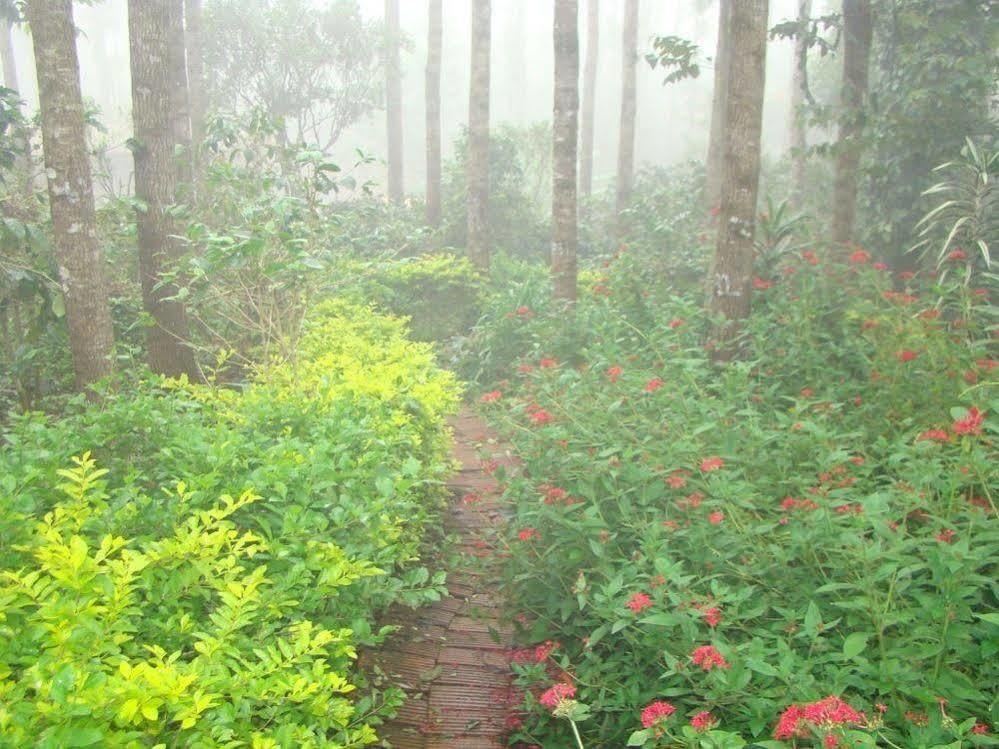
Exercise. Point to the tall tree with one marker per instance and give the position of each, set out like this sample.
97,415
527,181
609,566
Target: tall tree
149,24
716,144
565,133
478,136
857,33
393,101
435,37
70,186
799,89
732,268
195,69
589,98
629,105
180,108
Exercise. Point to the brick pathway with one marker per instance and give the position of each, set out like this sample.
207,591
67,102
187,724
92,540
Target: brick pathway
450,657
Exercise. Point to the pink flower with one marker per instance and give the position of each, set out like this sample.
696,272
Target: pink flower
540,417
934,435
639,602
971,423
614,372
656,712
523,310
827,713
556,695
676,322
529,534
712,616
711,464
703,721
946,536
708,657
548,363
676,480
860,257
906,355
880,266
980,729
762,283
491,397
716,517
957,254
653,385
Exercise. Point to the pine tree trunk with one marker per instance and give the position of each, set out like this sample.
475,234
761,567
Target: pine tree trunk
478,136
716,144
180,109
149,23
589,99
393,102
799,84
435,39
629,106
71,193
565,132
732,269
195,70
857,33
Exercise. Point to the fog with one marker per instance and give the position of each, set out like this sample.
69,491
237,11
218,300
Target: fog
673,120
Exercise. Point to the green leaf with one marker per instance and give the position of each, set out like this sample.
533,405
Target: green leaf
854,645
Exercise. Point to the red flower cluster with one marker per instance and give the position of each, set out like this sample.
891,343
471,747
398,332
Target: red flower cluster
712,616
555,495
676,322
529,534
491,397
762,284
537,654
827,713
934,435
653,385
548,363
711,464
860,257
655,712
614,372
556,695
639,602
677,480
716,517
703,721
540,417
971,423
946,536
708,657
906,355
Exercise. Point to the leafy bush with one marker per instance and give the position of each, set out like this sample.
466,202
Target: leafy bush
208,584
735,544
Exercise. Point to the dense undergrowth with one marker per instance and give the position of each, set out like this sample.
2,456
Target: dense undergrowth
701,554
202,574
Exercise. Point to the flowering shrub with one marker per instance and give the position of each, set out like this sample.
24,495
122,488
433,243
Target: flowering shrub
796,547
208,584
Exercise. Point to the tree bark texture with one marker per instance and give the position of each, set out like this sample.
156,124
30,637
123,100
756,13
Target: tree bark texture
589,98
393,102
435,39
565,131
70,187
731,276
149,23
180,108
716,144
478,136
629,106
195,69
857,33
799,84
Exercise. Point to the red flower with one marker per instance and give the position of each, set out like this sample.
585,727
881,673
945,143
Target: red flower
860,257
807,392
712,616
711,464
548,363
554,495
528,534
653,385
556,695
639,602
934,435
980,729
676,322
655,712
880,266
716,517
523,311
540,417
826,713
614,372
810,256
957,254
708,657
907,275
525,368
946,536
676,480
491,397
703,721
906,355
761,283
971,423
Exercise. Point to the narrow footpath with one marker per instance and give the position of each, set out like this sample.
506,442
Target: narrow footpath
451,657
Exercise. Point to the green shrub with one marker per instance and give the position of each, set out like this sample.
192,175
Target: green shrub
207,586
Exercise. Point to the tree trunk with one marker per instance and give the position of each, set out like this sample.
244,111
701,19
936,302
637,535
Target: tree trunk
393,102
629,106
589,98
435,39
565,131
180,109
71,193
7,55
195,70
732,268
149,23
799,86
716,144
478,137
857,33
